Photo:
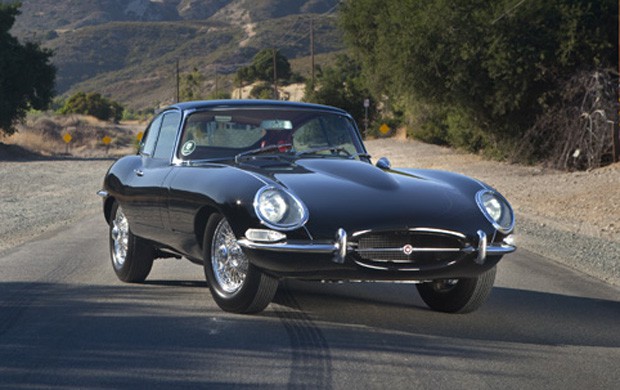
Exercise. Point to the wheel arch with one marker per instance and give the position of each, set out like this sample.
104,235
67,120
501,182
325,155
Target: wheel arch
200,222
107,208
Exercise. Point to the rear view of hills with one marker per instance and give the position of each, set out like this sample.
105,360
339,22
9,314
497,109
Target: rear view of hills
128,49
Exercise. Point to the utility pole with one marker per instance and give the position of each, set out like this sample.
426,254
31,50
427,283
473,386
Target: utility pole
366,105
216,82
275,76
178,81
615,140
312,50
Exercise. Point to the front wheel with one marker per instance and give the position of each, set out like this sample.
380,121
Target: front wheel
458,295
236,285
132,257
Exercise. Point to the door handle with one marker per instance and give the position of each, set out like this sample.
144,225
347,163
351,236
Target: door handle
139,172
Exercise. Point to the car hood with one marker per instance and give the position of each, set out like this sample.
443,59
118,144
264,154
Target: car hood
358,196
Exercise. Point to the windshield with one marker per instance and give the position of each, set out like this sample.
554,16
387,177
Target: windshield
221,134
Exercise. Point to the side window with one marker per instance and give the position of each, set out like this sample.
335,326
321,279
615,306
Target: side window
167,135
150,137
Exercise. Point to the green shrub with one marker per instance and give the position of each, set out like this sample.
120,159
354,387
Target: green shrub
262,91
93,104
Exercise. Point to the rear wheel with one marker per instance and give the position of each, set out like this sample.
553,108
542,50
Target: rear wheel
236,285
132,257
458,295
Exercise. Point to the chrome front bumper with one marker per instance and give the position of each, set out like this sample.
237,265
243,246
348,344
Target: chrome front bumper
340,248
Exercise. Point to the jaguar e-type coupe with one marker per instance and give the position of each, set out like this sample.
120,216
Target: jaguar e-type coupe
258,191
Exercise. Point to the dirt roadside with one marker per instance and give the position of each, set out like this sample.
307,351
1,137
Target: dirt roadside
572,218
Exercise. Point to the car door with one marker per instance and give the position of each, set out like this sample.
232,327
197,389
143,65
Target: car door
148,196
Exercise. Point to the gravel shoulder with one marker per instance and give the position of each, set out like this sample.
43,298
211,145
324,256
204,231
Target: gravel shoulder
43,195
571,218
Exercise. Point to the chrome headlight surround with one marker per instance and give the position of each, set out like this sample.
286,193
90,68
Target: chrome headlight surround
496,209
279,209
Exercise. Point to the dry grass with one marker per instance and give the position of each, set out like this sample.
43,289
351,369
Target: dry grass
43,135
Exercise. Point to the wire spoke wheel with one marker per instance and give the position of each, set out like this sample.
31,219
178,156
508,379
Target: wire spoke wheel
132,257
236,284
119,233
230,265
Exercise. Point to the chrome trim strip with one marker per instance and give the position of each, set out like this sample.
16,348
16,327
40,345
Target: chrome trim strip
391,261
375,267
360,233
414,249
440,231
286,247
103,193
418,229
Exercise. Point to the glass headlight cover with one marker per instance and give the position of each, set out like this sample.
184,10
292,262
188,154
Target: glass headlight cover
496,209
279,209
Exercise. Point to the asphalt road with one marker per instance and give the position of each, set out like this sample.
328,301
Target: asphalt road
66,322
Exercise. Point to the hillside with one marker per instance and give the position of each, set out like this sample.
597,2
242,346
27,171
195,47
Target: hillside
128,50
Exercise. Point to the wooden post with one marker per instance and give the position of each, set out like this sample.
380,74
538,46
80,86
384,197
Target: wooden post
615,140
275,76
312,51
178,81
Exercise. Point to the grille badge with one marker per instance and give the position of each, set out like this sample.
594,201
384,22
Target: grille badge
408,249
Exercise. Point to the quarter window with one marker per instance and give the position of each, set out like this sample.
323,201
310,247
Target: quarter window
150,137
167,135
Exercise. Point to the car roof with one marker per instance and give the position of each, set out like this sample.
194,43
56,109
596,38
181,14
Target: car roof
253,103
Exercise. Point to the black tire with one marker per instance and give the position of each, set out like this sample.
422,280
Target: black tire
136,263
458,295
251,291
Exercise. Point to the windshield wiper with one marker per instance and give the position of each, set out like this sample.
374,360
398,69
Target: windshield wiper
265,149
365,155
335,149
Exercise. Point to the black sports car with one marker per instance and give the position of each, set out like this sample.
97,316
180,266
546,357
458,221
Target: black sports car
256,191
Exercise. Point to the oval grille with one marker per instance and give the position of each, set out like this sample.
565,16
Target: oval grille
403,249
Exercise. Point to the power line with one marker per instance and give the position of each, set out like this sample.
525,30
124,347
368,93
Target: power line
508,11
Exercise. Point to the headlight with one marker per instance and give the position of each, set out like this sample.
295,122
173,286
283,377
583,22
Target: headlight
496,209
278,209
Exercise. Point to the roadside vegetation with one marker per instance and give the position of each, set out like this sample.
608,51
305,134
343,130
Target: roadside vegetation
523,80
26,74
93,104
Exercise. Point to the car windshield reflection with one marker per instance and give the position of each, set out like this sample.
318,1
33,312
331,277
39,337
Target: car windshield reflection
243,134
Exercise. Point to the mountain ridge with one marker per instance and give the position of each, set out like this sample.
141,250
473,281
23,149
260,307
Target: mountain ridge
128,50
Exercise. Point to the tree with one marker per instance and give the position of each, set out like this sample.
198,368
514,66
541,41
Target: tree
262,67
481,62
93,104
191,87
26,74
342,86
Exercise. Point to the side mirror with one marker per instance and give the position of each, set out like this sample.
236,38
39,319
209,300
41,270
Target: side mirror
384,163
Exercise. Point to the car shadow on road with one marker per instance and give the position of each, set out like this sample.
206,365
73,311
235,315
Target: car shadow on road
156,335
165,333
510,315
176,283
